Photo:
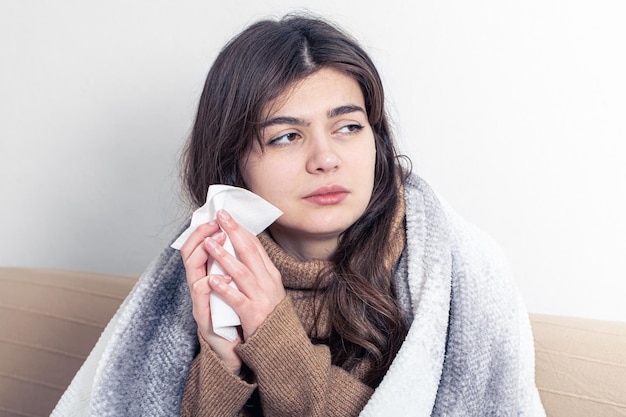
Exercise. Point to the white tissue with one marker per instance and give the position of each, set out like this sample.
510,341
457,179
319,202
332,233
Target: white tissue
251,212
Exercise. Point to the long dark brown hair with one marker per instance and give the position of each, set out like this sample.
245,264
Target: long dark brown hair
255,68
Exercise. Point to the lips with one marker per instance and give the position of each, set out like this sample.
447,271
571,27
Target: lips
327,195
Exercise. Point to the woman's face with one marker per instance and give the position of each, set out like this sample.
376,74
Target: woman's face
317,164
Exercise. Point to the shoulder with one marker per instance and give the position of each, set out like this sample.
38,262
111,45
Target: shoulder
468,243
479,258
479,265
484,301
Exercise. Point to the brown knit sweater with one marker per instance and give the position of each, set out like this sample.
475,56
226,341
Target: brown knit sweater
292,375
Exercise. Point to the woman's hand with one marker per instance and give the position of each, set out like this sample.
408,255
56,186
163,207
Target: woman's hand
259,284
197,263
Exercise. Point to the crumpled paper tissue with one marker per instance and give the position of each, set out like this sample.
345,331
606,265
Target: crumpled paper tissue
251,212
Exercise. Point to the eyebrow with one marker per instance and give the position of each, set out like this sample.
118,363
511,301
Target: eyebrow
337,111
284,120
341,110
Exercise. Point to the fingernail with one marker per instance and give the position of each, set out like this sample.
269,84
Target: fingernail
210,242
223,215
215,281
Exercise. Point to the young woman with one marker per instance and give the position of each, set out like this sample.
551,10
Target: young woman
368,296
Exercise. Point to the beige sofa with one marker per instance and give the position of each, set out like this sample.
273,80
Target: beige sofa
49,321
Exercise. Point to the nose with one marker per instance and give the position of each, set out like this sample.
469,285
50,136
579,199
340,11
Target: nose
323,156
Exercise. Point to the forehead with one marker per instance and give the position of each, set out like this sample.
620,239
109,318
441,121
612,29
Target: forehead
323,90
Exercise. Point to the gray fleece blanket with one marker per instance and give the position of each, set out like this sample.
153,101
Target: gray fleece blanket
468,351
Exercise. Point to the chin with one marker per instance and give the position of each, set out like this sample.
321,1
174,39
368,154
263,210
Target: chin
333,230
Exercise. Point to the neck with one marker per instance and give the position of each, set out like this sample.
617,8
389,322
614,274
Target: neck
304,248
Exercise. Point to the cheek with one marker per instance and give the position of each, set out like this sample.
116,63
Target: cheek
369,158
251,173
256,184
263,179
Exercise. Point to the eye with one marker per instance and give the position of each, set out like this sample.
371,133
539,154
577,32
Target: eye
284,139
350,128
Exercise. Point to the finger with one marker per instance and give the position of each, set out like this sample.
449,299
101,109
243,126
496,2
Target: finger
196,259
199,262
252,314
196,264
200,291
220,238
200,295
196,238
269,265
227,261
232,296
250,251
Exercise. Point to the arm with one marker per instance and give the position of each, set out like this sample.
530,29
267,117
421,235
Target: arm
296,377
211,388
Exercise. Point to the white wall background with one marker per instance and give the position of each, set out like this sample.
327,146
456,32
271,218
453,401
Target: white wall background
514,111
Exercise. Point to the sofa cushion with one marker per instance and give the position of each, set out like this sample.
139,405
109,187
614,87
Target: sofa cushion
49,322
580,366
51,319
